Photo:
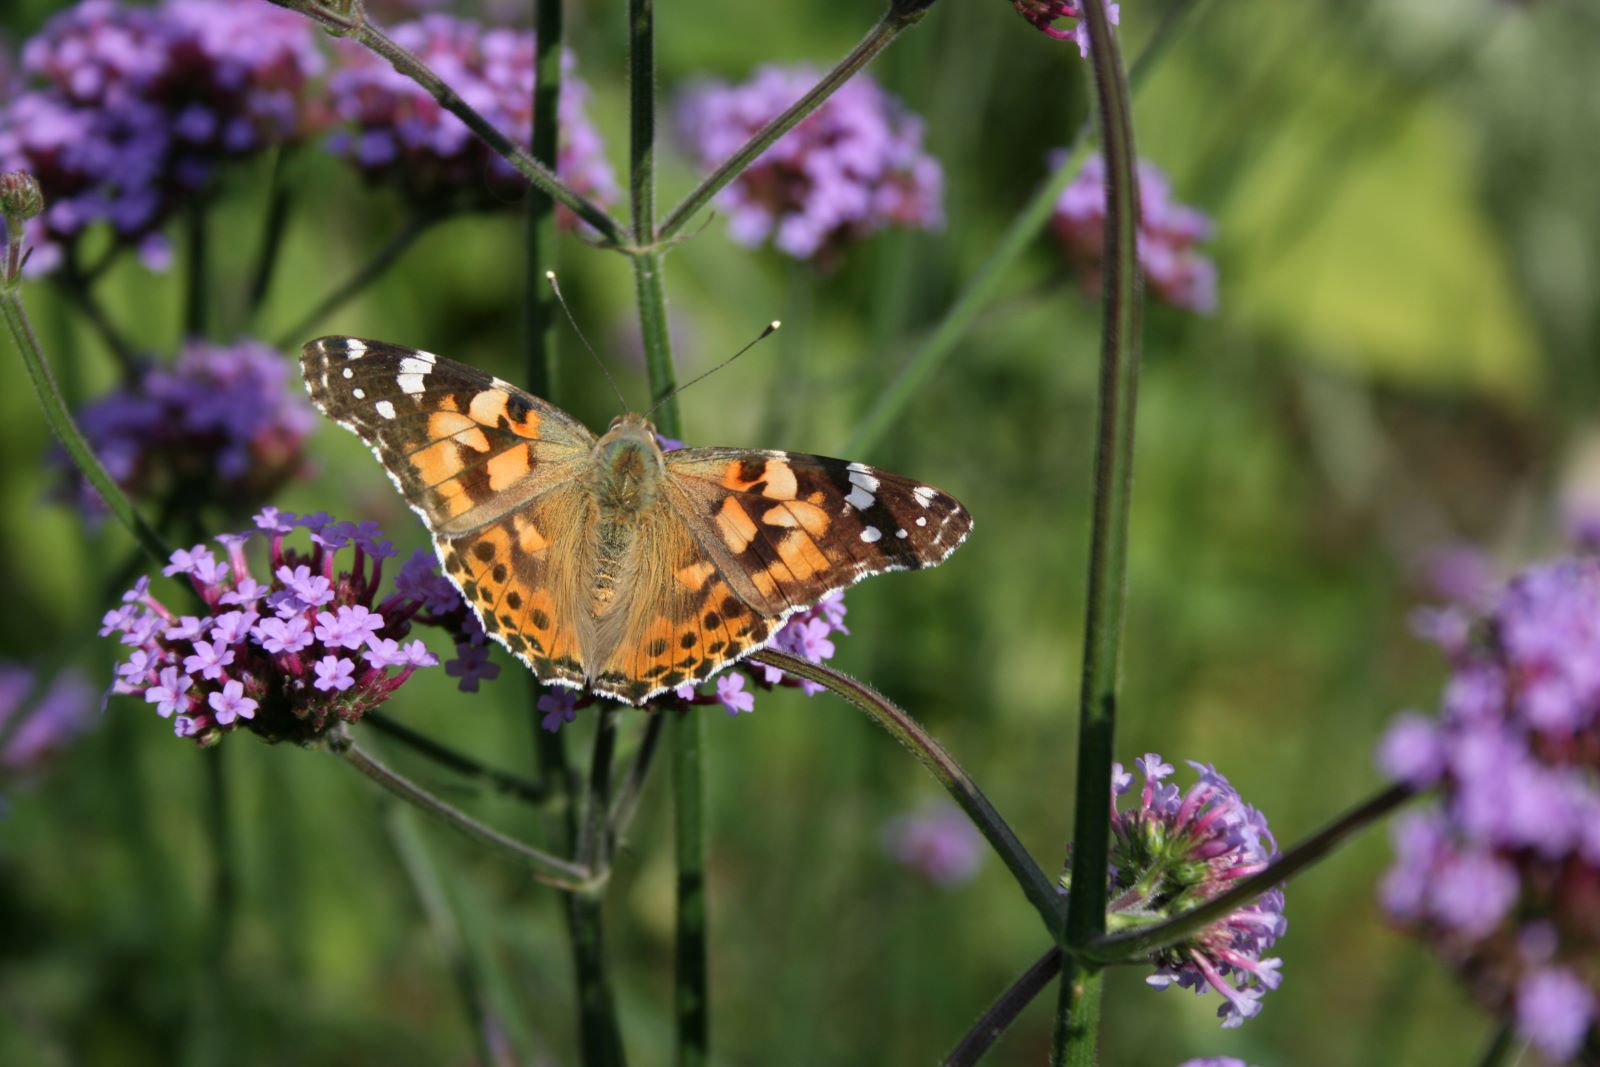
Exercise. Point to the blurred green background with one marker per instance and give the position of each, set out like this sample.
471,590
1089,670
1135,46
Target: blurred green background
1408,239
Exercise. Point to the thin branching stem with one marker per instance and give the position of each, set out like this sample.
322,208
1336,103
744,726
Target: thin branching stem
503,782
361,28
369,272
895,21
540,310
627,801
1036,885
1505,1048
1003,1012
547,868
978,293
1077,1016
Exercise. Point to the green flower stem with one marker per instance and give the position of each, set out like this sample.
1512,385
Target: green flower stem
627,802
502,782
1077,1016
900,17
77,288
542,313
1132,946
363,30
1004,1011
593,840
369,272
66,430
547,868
981,290
197,269
280,199
1505,1048
1036,885
427,881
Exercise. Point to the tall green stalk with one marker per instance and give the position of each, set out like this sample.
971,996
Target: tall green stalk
1077,1018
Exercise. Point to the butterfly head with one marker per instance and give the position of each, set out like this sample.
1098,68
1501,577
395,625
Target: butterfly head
629,461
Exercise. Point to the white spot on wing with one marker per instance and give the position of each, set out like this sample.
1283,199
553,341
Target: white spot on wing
860,498
348,373
354,349
359,394
900,533
413,365
871,534
924,494
385,409
410,383
922,520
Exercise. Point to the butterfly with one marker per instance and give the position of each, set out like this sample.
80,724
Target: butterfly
608,563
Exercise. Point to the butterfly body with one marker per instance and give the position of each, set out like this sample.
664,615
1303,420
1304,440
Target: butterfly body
606,562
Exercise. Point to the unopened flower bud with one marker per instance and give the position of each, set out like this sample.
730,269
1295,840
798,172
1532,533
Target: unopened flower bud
20,198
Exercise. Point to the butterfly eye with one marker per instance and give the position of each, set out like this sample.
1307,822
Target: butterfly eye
618,421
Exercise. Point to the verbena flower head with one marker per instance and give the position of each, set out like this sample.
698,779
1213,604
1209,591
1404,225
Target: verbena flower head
290,652
221,422
1174,268
1502,875
1175,850
939,842
140,105
38,722
852,167
1044,14
396,134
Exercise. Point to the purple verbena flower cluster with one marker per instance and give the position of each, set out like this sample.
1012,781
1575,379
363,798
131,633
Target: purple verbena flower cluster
291,656
1502,875
396,134
807,634
1177,850
36,723
850,168
139,105
1045,13
219,423
1173,267
939,842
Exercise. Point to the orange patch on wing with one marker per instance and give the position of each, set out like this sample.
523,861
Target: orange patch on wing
443,424
801,555
507,468
438,463
766,584
488,407
808,517
528,427
735,526
779,477
529,538
694,576
475,440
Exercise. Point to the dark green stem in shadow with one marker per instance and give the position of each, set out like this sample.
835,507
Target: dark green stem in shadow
280,198
1035,884
539,298
1077,1016
197,270
981,290
1505,1048
502,782
627,802
1004,1011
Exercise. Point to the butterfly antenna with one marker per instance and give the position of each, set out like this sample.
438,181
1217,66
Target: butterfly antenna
550,276
772,328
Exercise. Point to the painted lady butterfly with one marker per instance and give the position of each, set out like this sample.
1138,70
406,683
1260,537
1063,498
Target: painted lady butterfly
607,563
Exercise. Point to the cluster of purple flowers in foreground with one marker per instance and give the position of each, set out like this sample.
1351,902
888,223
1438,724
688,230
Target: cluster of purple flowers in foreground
1502,875
807,635
852,167
1173,268
395,133
292,656
1174,852
139,105
33,730
1045,13
219,423
939,842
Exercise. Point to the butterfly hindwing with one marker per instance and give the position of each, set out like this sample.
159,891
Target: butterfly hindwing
462,446
785,529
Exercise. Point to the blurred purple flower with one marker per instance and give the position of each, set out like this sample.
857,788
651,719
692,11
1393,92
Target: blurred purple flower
1177,850
219,423
395,133
1174,269
139,106
32,731
559,707
1214,1061
1502,875
1044,13
850,168
296,671
939,842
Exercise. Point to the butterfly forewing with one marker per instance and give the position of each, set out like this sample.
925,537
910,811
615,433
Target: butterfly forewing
463,446
785,528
